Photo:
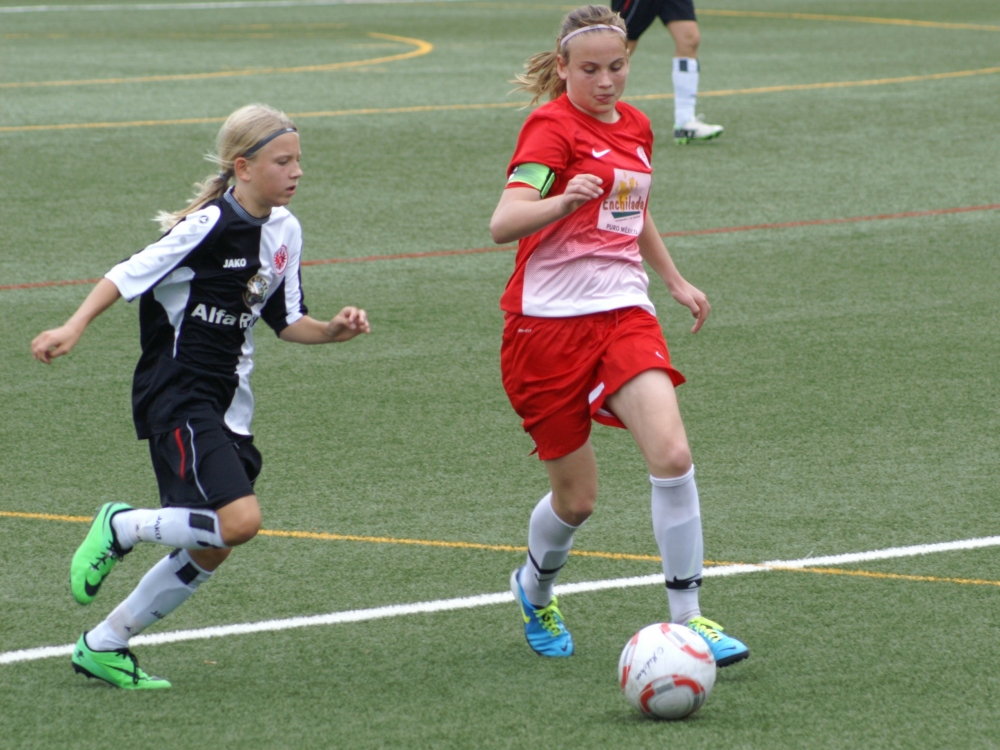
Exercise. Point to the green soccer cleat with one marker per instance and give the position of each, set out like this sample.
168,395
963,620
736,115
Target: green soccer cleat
119,668
96,557
726,649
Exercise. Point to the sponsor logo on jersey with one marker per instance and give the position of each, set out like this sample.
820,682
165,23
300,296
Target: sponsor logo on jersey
281,259
218,316
598,154
235,263
624,209
625,202
256,291
642,156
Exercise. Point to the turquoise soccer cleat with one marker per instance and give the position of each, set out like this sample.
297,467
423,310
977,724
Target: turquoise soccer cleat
543,627
726,649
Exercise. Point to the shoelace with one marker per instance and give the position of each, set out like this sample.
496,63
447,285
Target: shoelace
123,652
707,628
549,618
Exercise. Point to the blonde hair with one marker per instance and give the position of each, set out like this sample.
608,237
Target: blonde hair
243,130
541,77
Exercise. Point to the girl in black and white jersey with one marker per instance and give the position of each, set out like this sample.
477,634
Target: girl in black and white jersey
230,257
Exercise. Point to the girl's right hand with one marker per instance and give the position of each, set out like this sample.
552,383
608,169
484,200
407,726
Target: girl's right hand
579,190
54,343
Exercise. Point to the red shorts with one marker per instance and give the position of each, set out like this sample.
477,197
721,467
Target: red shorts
558,371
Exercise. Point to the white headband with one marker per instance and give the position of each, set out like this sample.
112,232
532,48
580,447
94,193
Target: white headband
594,27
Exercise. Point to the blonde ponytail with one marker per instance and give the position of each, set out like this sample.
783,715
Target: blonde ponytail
541,75
241,135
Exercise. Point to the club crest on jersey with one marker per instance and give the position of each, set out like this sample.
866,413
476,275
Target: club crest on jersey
641,152
256,291
281,259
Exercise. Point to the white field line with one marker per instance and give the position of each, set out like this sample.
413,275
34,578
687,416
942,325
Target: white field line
485,600
222,5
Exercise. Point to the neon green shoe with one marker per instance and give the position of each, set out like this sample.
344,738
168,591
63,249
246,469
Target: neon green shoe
96,557
119,668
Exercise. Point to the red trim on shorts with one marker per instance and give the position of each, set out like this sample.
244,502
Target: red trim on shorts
180,446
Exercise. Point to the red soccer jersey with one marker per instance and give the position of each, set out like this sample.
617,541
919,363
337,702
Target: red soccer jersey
589,261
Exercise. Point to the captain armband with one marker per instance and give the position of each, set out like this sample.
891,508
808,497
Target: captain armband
537,176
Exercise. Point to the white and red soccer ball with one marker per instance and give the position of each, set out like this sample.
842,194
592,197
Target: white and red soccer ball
666,671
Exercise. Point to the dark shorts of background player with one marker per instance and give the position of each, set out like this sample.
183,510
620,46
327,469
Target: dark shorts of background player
203,464
639,14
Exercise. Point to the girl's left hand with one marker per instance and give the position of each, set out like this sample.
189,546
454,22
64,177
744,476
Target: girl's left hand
347,324
694,300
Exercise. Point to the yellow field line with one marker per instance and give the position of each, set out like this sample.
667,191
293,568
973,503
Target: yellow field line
766,14
422,48
46,516
830,85
496,105
889,576
849,19
324,536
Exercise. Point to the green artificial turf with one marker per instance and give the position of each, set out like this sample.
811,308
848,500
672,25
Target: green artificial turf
841,398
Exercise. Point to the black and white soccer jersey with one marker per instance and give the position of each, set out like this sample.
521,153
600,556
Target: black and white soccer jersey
202,287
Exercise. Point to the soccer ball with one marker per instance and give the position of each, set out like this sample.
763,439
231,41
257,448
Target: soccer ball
666,671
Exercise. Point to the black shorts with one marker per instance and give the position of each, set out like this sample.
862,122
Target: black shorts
203,465
639,14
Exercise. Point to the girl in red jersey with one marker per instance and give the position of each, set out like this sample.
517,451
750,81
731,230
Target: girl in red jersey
581,340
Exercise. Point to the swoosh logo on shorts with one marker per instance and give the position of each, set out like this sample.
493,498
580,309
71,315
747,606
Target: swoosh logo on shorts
598,154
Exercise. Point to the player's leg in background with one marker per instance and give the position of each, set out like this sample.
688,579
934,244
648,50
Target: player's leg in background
647,405
688,125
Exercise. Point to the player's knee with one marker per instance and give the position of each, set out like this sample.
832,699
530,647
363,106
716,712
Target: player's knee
687,42
574,505
576,514
241,529
670,459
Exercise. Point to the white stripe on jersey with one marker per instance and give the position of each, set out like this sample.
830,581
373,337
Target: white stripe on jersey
281,227
240,412
145,269
173,293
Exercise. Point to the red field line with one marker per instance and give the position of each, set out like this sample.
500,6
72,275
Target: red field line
683,233
848,220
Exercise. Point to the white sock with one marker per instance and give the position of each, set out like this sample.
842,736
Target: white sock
174,527
677,527
685,76
166,586
549,542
